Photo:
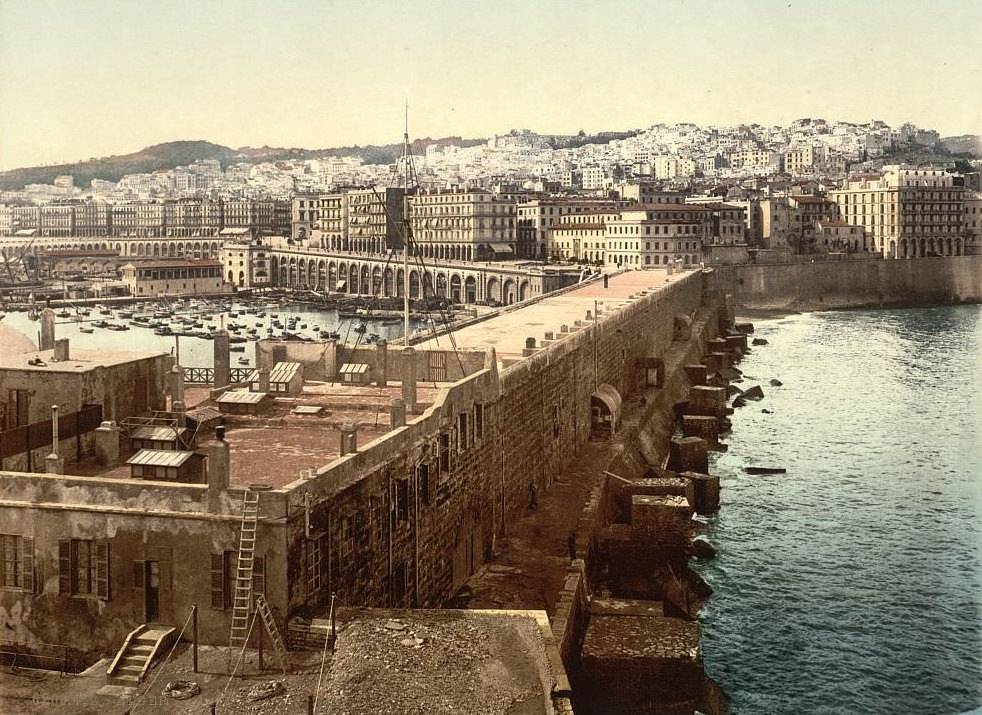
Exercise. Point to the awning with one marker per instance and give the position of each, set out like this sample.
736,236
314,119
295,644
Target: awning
501,248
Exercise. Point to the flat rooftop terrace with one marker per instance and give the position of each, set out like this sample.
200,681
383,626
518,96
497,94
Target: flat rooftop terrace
507,331
274,447
79,361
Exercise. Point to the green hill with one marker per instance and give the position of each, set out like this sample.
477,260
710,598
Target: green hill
112,168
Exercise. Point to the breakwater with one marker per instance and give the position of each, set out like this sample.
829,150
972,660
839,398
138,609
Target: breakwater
853,284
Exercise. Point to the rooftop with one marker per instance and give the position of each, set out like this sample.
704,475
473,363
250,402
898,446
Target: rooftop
299,441
80,360
507,331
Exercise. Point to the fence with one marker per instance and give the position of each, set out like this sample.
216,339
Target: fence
26,438
206,375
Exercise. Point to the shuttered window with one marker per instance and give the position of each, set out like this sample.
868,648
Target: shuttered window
223,574
83,568
17,562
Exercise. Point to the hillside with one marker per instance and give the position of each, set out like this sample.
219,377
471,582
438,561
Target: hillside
112,168
180,153
964,144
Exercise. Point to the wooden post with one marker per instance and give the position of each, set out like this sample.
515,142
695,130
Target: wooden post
211,707
262,667
194,636
310,705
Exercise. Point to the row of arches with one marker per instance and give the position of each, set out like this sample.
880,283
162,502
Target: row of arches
924,247
146,249
356,278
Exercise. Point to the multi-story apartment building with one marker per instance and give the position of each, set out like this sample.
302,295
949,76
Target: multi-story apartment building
759,160
374,219
972,224
537,216
595,177
305,211
907,212
331,230
581,235
658,235
790,222
14,218
468,225
92,219
646,192
56,220
192,218
807,160
246,265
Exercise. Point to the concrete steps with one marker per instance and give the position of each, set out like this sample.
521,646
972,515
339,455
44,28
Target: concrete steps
137,653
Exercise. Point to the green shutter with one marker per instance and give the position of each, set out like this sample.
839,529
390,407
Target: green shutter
102,570
65,567
27,564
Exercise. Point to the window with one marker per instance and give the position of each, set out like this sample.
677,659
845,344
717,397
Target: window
347,536
462,433
402,499
423,480
311,566
83,568
17,562
478,421
444,452
223,568
377,515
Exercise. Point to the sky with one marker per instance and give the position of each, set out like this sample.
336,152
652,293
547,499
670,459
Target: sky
90,78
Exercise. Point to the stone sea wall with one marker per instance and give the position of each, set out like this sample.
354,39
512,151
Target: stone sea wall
853,284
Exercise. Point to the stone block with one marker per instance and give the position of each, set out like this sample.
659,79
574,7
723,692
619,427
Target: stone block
706,490
708,397
704,426
696,374
688,454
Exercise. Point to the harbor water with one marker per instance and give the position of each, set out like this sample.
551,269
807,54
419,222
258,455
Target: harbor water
853,583
268,320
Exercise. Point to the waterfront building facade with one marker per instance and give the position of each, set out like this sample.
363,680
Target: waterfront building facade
906,212
537,216
246,264
173,277
463,225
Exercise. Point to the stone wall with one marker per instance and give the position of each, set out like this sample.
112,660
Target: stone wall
850,284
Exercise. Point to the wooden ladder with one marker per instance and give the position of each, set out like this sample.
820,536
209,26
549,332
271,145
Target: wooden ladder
242,595
262,607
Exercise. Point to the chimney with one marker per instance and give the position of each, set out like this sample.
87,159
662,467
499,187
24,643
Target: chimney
61,351
349,439
397,414
409,379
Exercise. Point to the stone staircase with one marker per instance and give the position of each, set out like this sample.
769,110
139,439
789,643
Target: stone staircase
139,649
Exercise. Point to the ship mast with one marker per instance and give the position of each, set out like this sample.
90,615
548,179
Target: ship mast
405,233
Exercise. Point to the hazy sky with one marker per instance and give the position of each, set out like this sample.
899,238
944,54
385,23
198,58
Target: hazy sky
84,78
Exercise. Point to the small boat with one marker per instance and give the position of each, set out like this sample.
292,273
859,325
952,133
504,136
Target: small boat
117,326
236,348
100,324
163,330
86,330
361,328
63,314
243,361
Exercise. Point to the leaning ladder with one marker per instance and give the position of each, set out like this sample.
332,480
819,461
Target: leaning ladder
242,595
262,607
